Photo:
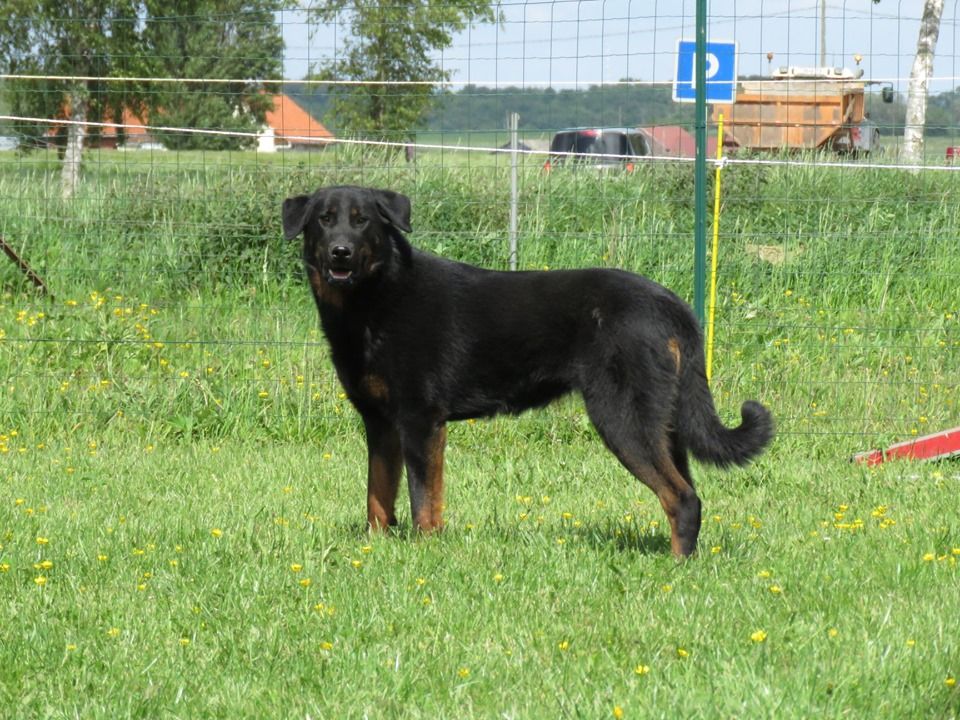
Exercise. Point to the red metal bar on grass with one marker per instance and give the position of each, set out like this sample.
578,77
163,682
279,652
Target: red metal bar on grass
929,447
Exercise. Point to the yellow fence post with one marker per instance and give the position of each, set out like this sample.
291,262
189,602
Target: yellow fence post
713,252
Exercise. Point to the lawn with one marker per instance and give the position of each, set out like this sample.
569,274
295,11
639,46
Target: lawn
182,483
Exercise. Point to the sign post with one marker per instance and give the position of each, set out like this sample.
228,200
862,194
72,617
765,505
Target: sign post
705,72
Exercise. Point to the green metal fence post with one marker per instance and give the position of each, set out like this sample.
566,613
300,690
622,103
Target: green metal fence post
700,165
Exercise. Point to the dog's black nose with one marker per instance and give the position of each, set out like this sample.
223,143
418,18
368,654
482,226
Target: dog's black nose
341,252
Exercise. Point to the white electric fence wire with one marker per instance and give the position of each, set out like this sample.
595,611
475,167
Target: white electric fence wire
545,154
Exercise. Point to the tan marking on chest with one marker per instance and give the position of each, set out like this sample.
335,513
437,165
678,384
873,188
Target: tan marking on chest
375,387
327,294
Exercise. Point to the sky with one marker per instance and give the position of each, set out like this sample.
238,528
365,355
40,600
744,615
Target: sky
578,43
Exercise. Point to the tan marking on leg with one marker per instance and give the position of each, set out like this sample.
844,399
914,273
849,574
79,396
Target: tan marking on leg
430,515
671,490
382,482
676,493
673,345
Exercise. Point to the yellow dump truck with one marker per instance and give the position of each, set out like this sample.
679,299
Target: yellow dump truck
801,108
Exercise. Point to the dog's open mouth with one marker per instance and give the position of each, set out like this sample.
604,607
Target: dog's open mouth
339,276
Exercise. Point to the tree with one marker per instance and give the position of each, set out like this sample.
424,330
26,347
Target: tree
95,40
919,80
213,40
80,38
391,43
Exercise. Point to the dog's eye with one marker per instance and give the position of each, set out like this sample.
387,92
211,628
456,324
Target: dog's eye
358,220
328,218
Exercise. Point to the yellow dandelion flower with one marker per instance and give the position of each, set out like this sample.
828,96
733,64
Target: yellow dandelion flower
326,645
776,589
618,712
216,532
563,645
305,582
929,557
40,580
184,642
296,567
950,681
357,563
42,540
682,652
832,632
498,578
758,636
716,549
464,673
113,632
641,669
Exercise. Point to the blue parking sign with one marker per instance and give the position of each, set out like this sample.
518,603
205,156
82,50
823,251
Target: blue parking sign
721,72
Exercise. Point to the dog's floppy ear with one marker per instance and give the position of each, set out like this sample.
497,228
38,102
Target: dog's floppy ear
394,208
296,211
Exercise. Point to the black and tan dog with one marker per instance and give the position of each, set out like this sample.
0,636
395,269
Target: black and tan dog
418,340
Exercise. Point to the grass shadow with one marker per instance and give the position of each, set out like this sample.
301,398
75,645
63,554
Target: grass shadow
620,538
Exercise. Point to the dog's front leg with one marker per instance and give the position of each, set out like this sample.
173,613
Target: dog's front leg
384,464
423,452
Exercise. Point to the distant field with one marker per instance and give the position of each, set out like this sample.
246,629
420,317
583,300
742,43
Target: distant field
182,481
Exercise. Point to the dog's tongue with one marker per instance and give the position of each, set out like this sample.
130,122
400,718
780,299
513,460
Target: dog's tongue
340,275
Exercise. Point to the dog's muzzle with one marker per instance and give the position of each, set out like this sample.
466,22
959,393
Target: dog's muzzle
340,268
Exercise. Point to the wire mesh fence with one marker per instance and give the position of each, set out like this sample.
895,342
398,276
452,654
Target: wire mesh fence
173,308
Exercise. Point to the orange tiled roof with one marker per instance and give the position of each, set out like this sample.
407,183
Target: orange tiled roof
289,120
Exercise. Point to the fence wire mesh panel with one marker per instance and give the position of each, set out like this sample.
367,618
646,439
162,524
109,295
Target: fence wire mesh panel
149,295
196,522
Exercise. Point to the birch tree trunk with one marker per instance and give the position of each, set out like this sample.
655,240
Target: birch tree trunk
919,81
70,173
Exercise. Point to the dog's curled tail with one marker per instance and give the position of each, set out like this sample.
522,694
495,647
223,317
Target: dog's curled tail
702,431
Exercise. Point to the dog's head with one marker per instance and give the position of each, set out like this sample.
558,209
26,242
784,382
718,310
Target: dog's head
349,233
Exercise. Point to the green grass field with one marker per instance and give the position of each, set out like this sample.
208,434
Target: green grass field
182,483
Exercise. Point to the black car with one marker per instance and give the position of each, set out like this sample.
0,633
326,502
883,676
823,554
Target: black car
600,148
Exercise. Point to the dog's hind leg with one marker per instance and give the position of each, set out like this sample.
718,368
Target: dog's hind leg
645,449
384,465
423,449
681,460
